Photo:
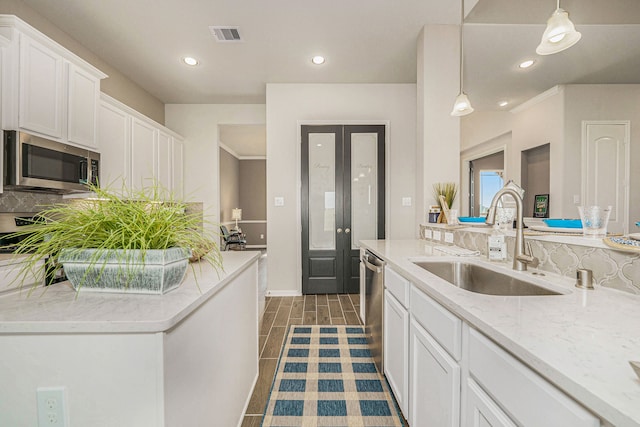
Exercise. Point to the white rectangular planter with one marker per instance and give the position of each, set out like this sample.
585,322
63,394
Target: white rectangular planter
130,271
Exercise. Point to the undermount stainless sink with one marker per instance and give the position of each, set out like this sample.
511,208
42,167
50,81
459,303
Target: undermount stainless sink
475,278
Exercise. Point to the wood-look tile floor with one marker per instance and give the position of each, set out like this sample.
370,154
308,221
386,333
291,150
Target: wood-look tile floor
280,312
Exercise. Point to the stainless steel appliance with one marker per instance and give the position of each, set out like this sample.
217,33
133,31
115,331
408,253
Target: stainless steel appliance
32,163
10,222
374,306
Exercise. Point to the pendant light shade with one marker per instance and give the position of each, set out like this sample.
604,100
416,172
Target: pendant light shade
559,35
462,105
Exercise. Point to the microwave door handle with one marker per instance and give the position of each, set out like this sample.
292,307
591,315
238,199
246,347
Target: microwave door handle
83,171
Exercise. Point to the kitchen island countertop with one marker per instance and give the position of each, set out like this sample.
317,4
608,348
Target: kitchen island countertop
60,309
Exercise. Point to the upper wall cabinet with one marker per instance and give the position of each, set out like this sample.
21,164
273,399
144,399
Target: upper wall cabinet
46,89
136,151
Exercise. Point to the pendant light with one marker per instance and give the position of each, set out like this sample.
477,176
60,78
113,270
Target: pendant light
462,105
559,35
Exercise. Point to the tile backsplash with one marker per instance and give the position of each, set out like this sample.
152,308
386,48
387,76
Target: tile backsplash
611,268
22,201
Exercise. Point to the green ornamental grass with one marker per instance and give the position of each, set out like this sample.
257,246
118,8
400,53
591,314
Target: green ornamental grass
447,189
143,219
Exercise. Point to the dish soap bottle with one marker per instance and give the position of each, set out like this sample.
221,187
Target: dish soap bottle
496,245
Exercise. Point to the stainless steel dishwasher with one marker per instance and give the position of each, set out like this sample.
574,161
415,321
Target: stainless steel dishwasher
374,303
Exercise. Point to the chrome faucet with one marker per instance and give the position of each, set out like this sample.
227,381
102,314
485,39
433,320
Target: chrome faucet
520,256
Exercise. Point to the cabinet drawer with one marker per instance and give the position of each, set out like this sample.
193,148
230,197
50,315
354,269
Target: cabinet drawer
438,321
397,285
527,397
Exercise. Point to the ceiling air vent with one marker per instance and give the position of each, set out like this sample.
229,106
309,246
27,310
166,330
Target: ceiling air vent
226,34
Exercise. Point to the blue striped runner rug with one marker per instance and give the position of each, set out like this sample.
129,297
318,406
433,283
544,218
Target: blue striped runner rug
326,377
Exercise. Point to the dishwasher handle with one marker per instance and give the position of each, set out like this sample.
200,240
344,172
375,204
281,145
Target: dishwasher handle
372,267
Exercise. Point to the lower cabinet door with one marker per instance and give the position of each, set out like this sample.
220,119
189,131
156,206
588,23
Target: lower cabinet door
434,382
481,411
396,349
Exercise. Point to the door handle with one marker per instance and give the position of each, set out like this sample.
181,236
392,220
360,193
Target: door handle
339,230
347,230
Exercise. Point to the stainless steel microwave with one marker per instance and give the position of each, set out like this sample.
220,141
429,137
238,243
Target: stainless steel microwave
32,163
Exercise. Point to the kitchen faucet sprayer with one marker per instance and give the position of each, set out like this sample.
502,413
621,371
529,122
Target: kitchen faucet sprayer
520,256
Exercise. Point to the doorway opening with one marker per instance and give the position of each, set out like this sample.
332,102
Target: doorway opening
536,176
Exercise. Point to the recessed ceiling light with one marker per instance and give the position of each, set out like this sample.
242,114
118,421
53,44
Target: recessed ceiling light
526,64
318,60
503,103
190,60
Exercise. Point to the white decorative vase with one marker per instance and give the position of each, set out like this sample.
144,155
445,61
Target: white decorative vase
152,271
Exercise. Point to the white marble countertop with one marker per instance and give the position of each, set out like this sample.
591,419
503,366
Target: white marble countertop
582,341
60,309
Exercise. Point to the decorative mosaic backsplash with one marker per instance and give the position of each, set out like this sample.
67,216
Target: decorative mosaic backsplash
611,268
22,201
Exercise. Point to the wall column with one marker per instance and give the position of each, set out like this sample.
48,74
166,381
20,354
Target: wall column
438,133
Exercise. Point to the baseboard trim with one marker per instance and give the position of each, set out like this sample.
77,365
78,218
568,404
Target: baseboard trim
271,293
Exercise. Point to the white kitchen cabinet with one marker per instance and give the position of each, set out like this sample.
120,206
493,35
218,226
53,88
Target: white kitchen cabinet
396,349
177,167
434,382
136,151
46,89
114,128
84,94
41,88
481,411
144,154
528,398
165,152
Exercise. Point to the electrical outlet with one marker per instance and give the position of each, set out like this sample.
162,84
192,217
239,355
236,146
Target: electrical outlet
428,234
576,199
406,201
448,237
278,201
437,235
51,407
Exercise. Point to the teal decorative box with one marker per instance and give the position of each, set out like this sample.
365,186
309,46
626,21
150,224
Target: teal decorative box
132,271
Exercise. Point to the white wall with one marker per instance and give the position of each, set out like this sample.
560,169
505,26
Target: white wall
529,126
540,124
289,106
438,132
601,102
556,117
198,123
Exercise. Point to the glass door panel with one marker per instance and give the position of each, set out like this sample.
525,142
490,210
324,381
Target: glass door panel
322,191
364,187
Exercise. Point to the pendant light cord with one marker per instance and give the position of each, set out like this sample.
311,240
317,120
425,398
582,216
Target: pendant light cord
461,42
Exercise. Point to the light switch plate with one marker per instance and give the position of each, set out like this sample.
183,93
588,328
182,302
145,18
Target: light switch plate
406,201
278,201
437,235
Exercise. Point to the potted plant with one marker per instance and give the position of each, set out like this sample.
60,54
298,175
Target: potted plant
448,190
139,243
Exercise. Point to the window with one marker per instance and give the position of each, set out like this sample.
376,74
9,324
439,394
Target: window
490,182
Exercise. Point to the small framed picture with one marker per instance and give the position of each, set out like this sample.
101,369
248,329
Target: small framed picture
541,206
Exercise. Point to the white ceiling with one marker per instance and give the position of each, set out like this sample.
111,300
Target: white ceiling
244,140
364,41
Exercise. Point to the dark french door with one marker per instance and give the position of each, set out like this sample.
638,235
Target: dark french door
343,202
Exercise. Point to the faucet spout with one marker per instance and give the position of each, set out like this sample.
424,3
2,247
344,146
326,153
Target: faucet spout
520,256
